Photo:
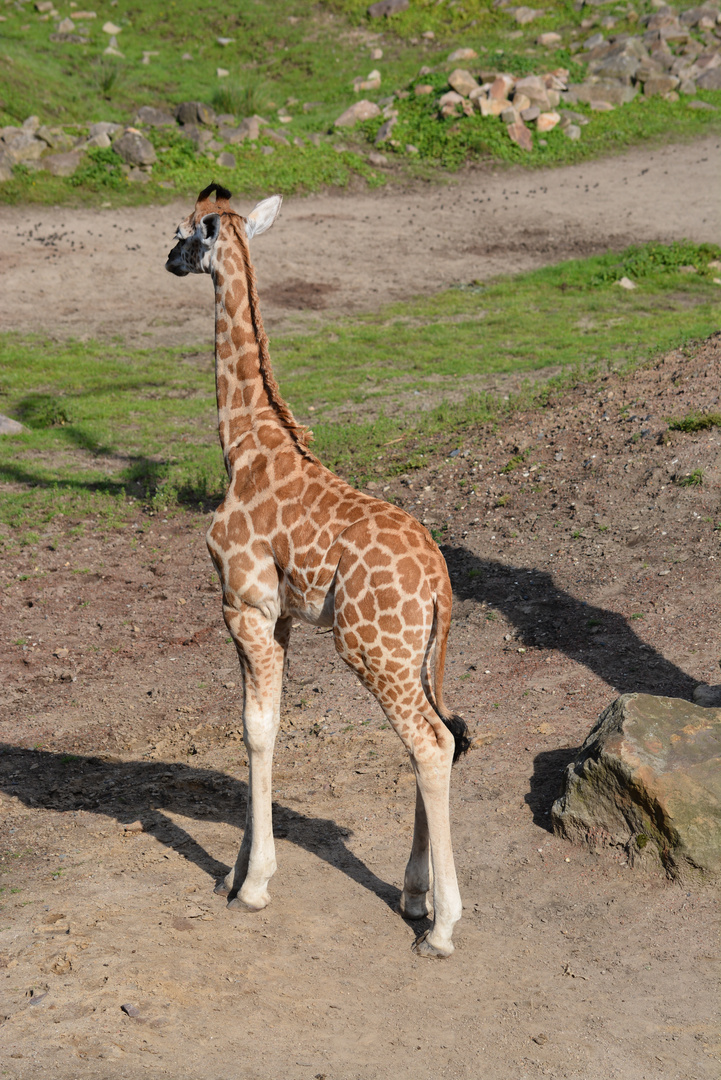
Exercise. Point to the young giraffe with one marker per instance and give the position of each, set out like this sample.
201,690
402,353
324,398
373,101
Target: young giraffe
291,540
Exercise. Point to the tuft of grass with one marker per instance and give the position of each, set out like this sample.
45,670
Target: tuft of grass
693,479
649,260
695,422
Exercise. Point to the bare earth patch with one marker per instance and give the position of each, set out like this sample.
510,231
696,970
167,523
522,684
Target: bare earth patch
585,570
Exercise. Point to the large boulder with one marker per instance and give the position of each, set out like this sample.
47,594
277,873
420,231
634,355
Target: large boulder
62,164
135,149
648,778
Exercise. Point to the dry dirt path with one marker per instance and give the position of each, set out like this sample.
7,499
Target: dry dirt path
97,273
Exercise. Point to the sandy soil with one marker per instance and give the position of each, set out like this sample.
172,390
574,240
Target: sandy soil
96,273
597,575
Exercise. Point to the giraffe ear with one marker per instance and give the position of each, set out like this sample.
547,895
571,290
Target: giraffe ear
263,216
209,229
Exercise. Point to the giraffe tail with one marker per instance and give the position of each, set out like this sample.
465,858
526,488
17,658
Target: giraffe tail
439,639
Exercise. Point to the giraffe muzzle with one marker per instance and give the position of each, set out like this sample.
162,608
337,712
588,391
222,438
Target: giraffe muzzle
174,263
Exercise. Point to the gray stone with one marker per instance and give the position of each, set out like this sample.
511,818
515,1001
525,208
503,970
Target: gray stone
570,117
267,150
529,114
362,110
594,40
379,160
22,146
621,67
387,7
648,779
215,146
525,15
710,79
708,696
62,164
276,137
688,87
534,89
384,131
606,90
135,149
150,117
56,138
660,86
702,105
6,166
572,131
194,112
66,26
137,176
8,426
103,127
101,141
227,160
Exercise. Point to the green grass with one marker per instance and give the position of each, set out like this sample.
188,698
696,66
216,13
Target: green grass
693,479
695,422
110,428
282,56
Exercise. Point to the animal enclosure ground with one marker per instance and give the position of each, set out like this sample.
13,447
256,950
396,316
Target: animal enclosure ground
583,543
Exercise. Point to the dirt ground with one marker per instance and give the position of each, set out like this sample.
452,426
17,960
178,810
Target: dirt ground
98,273
586,571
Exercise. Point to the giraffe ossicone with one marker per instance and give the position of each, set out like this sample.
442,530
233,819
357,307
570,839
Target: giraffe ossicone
292,540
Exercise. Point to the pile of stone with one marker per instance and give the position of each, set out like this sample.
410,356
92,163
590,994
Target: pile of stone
60,152
532,99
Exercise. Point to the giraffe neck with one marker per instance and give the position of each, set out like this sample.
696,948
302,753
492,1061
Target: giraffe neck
247,393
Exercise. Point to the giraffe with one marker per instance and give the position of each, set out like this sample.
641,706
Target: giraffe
292,540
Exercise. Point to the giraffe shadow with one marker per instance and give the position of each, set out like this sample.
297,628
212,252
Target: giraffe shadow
151,791
547,617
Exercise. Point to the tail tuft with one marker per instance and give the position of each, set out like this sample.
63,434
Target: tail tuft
459,730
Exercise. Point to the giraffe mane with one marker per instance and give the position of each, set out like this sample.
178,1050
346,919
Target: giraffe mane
300,433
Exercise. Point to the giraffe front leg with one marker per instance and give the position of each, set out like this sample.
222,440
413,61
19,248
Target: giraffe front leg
415,900
261,656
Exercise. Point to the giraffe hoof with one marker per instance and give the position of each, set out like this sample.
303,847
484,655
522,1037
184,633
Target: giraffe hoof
422,947
221,888
243,905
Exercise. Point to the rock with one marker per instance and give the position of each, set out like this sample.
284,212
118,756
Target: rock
194,112
534,88
134,827
371,82
649,775
547,121
214,145
710,79
701,105
548,39
225,41
387,7
423,88
103,127
525,15
376,54
594,40
222,73
621,67
62,164
111,28
608,90
8,426
708,696
532,112
520,135
276,137
572,131
462,81
66,26
602,106
151,117
374,158
462,54
490,106
384,131
44,5
570,117
135,149
411,149
227,160
687,87
247,129
267,150
660,86
451,97
55,138
130,1010
626,283
501,87
22,146
362,110
510,114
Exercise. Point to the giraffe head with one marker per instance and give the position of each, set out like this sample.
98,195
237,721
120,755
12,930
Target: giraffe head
197,235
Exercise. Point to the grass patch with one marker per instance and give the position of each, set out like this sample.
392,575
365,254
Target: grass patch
695,422
108,428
